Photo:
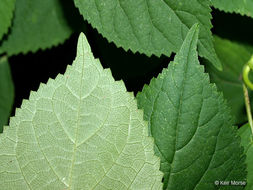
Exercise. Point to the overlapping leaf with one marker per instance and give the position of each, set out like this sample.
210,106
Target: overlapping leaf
191,125
79,131
6,92
36,25
151,26
233,56
6,14
243,7
247,142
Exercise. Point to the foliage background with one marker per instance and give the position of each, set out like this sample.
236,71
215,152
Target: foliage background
29,70
137,69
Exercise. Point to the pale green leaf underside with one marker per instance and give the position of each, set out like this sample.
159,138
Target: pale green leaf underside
191,125
247,143
151,26
6,92
79,131
6,14
233,56
36,25
243,7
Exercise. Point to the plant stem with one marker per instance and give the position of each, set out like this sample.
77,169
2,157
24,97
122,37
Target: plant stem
247,104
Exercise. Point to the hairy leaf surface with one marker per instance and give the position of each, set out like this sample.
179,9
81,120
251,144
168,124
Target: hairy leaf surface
79,131
243,7
233,56
151,26
6,92
6,14
247,142
36,25
191,124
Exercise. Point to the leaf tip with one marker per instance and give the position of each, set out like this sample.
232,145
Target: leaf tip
82,45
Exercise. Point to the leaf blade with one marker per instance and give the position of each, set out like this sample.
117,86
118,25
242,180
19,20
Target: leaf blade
79,131
247,142
6,92
36,25
6,9
151,27
233,56
240,7
191,124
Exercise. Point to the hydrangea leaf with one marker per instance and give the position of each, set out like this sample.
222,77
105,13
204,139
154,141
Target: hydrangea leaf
247,142
6,92
233,56
79,131
36,25
6,14
191,124
244,7
151,26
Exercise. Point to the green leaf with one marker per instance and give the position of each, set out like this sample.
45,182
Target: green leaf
191,124
6,92
6,14
36,25
243,7
79,131
247,142
151,26
233,56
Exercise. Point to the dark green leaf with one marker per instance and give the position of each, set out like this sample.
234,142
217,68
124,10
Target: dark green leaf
6,92
243,7
151,26
233,56
6,14
191,125
37,24
247,142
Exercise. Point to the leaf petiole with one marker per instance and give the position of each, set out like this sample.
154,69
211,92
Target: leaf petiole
247,105
248,83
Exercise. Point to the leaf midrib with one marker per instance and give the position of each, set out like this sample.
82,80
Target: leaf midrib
179,111
78,121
